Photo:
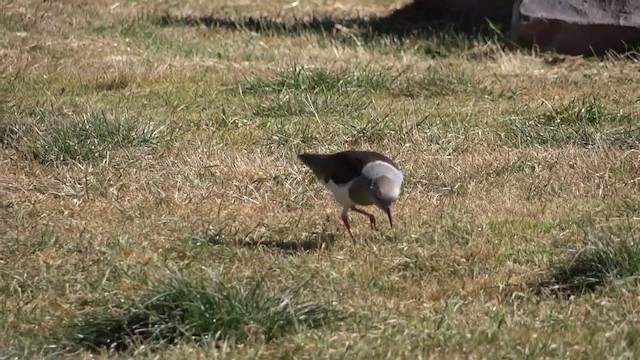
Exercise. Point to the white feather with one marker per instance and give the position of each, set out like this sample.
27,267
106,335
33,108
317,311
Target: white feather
341,193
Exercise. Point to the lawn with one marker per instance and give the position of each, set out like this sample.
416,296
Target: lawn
152,202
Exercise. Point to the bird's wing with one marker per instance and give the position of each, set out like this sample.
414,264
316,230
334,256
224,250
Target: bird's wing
344,168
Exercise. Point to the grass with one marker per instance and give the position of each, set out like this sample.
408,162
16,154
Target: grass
132,142
185,311
611,255
53,139
300,79
436,83
585,123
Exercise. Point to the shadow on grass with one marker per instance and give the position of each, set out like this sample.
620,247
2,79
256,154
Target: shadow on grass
271,239
411,20
310,243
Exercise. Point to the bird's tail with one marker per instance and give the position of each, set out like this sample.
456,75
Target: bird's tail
316,162
311,160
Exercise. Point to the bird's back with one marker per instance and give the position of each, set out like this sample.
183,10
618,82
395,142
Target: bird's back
343,166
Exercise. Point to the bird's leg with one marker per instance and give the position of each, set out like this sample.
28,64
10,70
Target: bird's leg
345,220
372,219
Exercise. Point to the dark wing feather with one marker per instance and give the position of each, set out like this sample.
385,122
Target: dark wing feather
341,167
345,167
349,164
318,163
370,156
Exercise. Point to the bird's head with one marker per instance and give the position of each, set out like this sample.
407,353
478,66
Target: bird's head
385,193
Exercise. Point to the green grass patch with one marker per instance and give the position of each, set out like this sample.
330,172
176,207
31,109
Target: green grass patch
319,79
180,311
514,228
15,22
448,42
309,105
587,123
112,83
612,254
90,137
53,139
143,33
10,131
435,83
321,94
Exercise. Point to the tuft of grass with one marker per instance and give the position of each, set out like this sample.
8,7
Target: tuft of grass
117,82
299,104
182,311
448,41
609,256
585,112
89,137
437,84
319,79
142,32
313,92
10,131
587,123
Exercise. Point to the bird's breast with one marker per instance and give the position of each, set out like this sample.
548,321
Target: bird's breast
341,192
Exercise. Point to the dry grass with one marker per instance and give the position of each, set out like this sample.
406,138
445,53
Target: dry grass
130,147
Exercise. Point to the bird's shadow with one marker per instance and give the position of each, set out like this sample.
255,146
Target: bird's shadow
309,243
413,19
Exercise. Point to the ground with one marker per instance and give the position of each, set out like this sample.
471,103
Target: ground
141,141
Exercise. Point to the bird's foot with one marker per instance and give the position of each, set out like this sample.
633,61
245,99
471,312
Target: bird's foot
345,221
372,218
372,222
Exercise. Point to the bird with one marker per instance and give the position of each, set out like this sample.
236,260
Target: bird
358,178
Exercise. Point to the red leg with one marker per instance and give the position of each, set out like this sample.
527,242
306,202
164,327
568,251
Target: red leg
345,220
372,219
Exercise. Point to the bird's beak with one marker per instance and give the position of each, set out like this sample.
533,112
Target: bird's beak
388,211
